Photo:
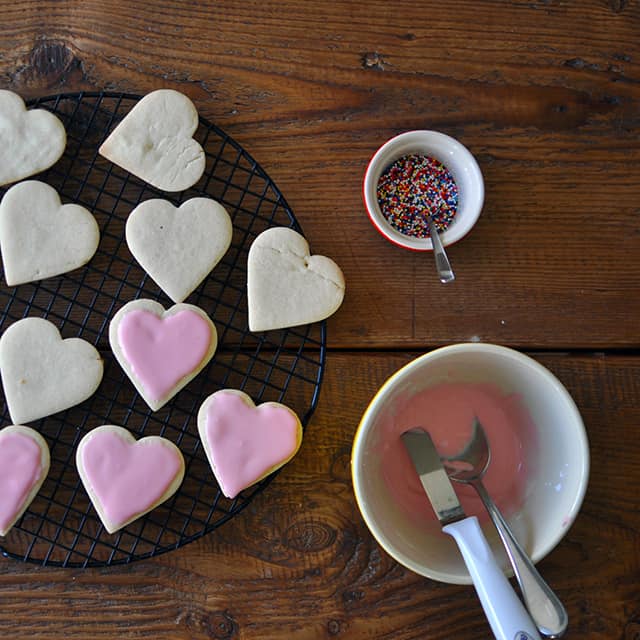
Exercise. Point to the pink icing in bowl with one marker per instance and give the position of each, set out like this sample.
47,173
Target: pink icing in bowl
446,411
540,455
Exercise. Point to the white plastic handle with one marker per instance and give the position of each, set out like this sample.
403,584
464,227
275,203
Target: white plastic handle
505,612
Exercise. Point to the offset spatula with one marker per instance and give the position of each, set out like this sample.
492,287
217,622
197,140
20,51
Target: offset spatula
505,612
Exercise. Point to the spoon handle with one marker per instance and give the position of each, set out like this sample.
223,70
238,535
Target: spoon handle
442,262
545,608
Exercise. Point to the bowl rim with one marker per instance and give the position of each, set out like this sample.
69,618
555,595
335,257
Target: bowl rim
439,140
381,395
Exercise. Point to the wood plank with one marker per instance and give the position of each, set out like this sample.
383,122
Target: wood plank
300,563
545,95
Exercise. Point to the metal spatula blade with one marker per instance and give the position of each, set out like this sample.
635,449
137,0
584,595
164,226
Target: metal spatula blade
433,476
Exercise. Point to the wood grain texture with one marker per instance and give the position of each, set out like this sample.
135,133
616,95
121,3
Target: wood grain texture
300,563
545,94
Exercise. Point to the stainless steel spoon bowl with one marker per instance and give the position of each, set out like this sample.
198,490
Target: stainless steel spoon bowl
469,466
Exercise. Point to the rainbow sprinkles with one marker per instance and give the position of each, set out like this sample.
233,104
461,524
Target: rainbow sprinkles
412,185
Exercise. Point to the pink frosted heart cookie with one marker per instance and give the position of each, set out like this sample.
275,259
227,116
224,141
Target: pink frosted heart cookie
24,464
126,478
245,443
161,351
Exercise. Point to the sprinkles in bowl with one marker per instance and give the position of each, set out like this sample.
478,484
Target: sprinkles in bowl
412,185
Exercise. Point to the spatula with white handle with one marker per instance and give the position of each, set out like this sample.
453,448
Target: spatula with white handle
469,467
505,612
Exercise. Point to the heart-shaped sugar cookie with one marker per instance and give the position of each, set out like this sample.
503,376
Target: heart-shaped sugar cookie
30,141
245,443
126,478
179,246
42,373
155,141
40,237
161,351
286,285
24,464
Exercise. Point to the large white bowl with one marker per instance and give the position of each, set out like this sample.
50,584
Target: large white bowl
555,487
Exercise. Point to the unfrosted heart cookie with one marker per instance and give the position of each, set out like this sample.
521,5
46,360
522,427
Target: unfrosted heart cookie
161,351
40,237
287,286
30,141
245,443
24,464
179,246
126,478
42,373
155,141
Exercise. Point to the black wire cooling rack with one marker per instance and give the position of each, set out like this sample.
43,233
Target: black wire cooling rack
61,528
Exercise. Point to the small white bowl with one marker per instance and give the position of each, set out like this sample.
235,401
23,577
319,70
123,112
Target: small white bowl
555,485
453,155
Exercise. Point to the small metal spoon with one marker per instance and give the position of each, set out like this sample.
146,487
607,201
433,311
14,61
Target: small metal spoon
442,262
468,467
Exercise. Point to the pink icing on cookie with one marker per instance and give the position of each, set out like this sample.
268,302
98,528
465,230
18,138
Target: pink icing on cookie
162,351
245,442
128,477
20,470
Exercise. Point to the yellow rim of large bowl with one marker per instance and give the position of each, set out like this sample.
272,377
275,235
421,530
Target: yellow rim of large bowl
385,389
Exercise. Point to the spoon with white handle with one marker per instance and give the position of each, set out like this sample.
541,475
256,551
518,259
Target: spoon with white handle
469,466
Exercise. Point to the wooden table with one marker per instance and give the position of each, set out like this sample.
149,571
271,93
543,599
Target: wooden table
546,95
